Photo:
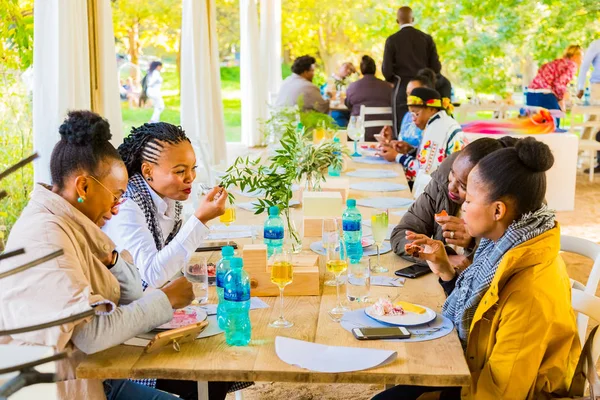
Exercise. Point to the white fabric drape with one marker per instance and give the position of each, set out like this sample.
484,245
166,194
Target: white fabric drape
252,78
110,108
270,40
201,104
61,73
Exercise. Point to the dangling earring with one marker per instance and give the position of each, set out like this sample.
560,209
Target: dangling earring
149,179
80,199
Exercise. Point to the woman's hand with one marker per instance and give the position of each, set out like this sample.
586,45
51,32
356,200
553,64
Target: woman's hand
435,255
180,292
455,231
460,263
402,147
388,152
212,206
387,134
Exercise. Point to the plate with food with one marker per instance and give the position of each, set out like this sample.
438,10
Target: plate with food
212,273
400,313
184,317
367,241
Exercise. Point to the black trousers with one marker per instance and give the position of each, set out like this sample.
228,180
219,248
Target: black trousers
188,390
399,107
404,392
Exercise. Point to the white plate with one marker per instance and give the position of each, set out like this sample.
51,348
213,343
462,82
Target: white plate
367,241
408,319
184,317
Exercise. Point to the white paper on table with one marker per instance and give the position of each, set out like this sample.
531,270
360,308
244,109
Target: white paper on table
323,358
229,235
400,213
255,303
387,281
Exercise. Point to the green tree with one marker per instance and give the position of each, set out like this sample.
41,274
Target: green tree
16,34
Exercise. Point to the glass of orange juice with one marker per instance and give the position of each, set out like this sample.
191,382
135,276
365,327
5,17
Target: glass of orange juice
282,274
228,216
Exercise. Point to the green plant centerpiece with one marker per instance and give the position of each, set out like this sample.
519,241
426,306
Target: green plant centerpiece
296,160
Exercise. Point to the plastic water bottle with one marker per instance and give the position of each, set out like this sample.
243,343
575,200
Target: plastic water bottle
352,226
236,295
273,232
587,97
223,267
525,95
335,171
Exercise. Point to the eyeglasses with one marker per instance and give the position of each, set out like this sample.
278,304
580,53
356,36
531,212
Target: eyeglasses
118,200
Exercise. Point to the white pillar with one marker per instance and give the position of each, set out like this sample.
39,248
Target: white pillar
61,73
110,107
252,77
201,104
270,40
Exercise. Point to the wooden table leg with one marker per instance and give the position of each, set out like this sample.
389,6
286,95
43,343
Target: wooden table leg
202,390
592,164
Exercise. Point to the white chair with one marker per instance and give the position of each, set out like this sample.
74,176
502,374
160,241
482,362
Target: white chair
364,110
588,304
587,143
590,250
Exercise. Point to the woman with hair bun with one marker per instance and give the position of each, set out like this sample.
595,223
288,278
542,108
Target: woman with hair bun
512,306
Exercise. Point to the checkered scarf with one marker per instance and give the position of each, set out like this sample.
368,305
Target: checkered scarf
472,284
137,191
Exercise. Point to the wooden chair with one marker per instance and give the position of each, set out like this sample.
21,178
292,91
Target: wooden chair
364,110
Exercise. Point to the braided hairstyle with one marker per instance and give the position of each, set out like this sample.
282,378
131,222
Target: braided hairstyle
84,144
146,142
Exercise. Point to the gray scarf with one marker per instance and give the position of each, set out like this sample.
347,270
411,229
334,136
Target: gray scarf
474,281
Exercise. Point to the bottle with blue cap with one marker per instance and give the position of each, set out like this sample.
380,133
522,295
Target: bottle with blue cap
236,295
223,267
587,97
331,170
352,227
273,231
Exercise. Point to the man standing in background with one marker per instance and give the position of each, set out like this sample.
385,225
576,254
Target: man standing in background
591,58
406,52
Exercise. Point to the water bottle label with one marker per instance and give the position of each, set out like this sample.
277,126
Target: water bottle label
348,225
235,295
273,233
220,279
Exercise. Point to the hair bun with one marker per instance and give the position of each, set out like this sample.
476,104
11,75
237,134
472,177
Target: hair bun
84,128
534,155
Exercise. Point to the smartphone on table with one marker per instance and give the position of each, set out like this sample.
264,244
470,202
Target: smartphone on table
413,271
215,246
392,332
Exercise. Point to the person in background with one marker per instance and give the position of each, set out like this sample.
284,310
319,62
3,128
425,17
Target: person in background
592,58
151,85
298,88
446,192
549,86
335,87
88,180
370,92
512,306
405,53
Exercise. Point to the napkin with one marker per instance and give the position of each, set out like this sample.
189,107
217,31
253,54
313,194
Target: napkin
322,358
387,281
372,173
384,202
378,186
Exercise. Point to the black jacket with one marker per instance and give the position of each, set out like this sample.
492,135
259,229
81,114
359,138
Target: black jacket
406,52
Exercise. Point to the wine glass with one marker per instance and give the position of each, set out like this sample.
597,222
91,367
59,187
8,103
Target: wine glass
228,216
379,226
282,274
330,237
337,263
356,130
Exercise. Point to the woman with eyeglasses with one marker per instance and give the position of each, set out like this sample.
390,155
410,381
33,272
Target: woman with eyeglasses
88,181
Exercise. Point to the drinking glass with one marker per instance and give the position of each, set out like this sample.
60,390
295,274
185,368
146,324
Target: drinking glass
282,274
330,237
197,275
228,216
356,131
337,263
358,283
379,226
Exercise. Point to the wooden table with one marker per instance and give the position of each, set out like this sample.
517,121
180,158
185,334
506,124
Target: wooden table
432,363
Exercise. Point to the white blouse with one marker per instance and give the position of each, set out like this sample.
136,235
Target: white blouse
129,230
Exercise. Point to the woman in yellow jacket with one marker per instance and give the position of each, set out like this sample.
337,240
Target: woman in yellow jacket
512,306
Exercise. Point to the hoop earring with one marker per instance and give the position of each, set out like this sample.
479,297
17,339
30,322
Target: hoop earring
80,199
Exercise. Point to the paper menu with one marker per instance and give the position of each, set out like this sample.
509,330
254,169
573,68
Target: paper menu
330,359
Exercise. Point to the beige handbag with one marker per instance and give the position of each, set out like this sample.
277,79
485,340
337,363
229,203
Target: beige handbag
586,372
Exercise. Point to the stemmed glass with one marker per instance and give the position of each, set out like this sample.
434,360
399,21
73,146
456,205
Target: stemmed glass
379,226
356,130
228,216
330,237
282,274
337,263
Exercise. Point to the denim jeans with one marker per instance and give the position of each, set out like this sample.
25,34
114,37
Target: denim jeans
123,389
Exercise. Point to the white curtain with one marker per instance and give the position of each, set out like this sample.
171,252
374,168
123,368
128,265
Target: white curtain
61,72
270,40
201,104
252,78
110,106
